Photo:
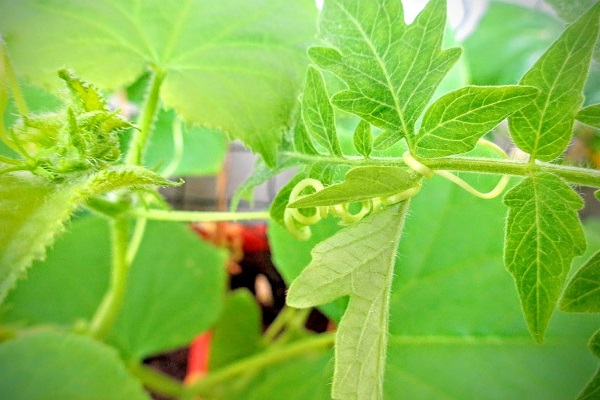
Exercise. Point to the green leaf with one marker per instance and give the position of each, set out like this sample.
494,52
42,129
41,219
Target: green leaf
358,261
175,288
32,213
237,333
590,115
50,365
362,183
363,138
583,292
317,112
544,127
454,123
302,142
228,64
456,327
122,176
592,390
542,213
391,69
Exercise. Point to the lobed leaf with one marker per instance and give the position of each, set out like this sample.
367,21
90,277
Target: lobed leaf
227,64
357,261
391,69
590,115
583,292
56,365
543,235
544,127
456,326
363,138
361,184
317,112
453,124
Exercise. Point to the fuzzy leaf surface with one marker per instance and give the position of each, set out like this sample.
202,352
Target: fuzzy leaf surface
362,183
392,69
590,115
32,213
358,261
544,127
583,292
456,327
228,65
317,112
543,235
454,123
363,138
57,365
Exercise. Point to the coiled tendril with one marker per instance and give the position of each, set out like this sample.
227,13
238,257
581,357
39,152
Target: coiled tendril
299,224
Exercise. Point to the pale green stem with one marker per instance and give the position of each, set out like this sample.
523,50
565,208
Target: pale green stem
136,239
199,216
258,362
574,175
177,148
278,324
157,381
110,307
141,137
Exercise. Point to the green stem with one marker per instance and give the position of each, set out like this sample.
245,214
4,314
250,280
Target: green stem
575,175
278,324
108,310
156,381
139,141
258,362
199,216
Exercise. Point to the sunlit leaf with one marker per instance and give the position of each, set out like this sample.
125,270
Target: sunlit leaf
543,235
391,69
544,127
590,115
454,123
228,64
360,184
363,138
358,261
317,112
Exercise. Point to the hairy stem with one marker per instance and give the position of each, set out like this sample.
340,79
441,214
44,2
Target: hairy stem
574,175
259,361
9,78
199,216
140,138
108,310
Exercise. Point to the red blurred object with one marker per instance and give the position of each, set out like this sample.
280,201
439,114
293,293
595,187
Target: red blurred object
199,356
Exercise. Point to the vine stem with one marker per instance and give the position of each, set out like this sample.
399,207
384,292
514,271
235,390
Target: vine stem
107,312
140,139
258,362
574,175
199,216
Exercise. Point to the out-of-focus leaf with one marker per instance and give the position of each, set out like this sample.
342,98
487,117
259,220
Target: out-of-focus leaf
175,286
50,365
